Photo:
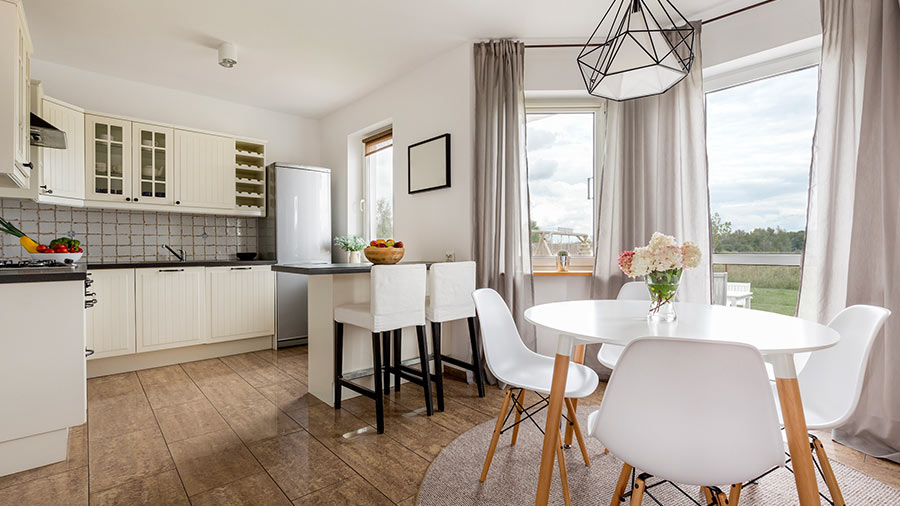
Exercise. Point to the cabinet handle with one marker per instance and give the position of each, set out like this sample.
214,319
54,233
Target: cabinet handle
128,199
177,202
240,268
90,294
28,164
88,352
90,303
171,270
135,199
46,190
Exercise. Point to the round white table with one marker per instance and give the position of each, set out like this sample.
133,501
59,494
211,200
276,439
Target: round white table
777,337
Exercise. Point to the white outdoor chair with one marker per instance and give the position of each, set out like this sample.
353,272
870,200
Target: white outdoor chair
739,294
832,380
521,369
633,290
652,416
720,288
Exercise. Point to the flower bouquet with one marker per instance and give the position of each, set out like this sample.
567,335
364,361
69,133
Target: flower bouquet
661,263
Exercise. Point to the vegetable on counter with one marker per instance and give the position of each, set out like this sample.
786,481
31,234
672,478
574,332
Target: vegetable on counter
29,244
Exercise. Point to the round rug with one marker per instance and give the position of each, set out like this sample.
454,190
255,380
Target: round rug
452,478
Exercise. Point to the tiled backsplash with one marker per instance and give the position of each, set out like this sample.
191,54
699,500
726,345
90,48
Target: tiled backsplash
109,236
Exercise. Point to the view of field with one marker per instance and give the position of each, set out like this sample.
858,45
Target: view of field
774,287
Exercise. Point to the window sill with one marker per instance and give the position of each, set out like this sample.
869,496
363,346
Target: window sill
562,273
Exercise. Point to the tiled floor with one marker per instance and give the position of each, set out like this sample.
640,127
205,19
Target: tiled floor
242,430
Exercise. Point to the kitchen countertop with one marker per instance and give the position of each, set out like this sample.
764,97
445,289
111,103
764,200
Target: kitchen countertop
75,272
168,263
318,269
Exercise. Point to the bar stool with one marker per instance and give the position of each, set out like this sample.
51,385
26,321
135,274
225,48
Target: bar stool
450,298
397,295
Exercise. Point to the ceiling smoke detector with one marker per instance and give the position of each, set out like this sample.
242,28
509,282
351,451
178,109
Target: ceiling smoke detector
227,55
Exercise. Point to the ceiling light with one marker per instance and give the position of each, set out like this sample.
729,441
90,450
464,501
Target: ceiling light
227,55
637,51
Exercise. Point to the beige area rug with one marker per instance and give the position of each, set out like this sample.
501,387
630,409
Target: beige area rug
452,479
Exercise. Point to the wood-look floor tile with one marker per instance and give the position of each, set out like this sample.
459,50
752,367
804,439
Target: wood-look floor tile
162,489
231,392
469,394
351,491
116,460
295,365
76,456
299,464
457,415
327,423
205,371
259,420
882,470
409,501
114,418
113,389
212,460
255,370
68,488
290,396
189,420
256,490
168,386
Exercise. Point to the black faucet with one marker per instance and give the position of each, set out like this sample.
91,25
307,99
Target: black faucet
178,254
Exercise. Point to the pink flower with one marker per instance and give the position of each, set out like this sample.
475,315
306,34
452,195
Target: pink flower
625,259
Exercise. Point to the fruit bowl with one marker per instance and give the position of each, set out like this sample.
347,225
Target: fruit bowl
59,257
383,256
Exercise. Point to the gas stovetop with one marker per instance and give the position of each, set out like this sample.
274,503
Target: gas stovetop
24,264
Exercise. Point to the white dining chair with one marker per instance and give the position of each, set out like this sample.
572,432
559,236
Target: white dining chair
633,290
397,300
832,380
521,369
450,287
693,412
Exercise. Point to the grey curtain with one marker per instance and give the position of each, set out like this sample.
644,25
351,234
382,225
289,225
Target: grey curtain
502,242
852,253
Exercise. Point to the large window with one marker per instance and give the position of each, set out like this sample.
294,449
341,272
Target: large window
379,186
759,143
561,158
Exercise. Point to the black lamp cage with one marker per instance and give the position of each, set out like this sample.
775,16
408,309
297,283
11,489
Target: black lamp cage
643,48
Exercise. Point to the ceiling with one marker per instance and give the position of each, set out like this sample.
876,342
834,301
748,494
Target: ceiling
304,57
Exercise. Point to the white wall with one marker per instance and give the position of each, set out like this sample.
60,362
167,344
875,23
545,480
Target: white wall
291,138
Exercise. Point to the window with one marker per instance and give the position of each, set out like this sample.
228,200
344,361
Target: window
560,149
759,143
379,187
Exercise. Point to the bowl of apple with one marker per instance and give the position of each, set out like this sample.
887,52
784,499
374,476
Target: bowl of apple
384,251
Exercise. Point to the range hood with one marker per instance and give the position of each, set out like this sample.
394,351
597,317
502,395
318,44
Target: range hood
45,135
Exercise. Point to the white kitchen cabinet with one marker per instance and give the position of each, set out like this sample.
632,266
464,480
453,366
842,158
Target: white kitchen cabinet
205,170
110,322
108,159
62,170
15,65
242,302
152,163
171,307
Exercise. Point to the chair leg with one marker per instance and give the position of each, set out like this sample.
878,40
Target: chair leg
621,484
637,493
379,395
577,428
386,360
827,470
438,365
519,404
734,495
707,494
563,473
495,437
338,362
426,374
476,356
721,498
398,334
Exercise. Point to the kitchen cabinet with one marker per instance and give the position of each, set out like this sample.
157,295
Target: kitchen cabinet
110,322
62,170
171,307
205,170
241,301
108,159
15,65
152,163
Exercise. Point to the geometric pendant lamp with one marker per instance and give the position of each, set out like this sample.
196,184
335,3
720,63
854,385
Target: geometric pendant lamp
640,48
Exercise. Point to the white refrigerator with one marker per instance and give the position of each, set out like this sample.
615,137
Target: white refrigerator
296,229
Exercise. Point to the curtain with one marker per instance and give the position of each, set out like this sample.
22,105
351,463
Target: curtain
852,255
502,241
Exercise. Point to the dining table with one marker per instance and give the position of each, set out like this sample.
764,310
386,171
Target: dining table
777,337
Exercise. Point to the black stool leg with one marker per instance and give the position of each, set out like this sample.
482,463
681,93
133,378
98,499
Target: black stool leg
426,375
386,359
438,365
397,334
379,395
338,362
476,357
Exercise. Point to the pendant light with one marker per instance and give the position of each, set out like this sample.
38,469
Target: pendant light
640,48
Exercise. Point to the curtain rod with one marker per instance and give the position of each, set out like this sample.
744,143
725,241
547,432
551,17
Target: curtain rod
723,16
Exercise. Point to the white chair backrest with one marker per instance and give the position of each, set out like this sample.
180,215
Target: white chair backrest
694,412
720,288
503,348
398,289
738,287
451,285
634,290
832,380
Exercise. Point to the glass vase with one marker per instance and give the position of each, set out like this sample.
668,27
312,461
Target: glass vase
663,286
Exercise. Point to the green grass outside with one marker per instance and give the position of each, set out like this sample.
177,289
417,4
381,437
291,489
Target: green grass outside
774,287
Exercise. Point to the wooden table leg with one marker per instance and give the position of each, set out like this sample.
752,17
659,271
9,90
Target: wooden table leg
578,358
796,430
554,413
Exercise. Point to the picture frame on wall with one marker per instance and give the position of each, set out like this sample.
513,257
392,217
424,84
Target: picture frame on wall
428,164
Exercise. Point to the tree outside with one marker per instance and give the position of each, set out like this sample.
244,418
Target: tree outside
384,219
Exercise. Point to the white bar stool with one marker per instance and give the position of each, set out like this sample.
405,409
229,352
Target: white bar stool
397,301
450,298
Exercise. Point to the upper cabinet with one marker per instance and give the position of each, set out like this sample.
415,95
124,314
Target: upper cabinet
152,163
205,165
15,63
62,170
108,159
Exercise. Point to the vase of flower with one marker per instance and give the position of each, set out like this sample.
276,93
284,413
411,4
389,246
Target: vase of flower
661,263
353,245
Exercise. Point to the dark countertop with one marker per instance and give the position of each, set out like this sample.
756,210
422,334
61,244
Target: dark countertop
76,272
167,263
317,269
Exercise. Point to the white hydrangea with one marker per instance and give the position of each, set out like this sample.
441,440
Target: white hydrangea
642,263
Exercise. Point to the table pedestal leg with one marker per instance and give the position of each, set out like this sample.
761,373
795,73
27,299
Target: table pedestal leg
795,429
554,412
578,358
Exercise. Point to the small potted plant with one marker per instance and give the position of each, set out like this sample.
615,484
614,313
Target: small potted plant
353,245
562,261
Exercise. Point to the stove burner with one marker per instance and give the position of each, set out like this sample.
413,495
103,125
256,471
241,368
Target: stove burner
20,264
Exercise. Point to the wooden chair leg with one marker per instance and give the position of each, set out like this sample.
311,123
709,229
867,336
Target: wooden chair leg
707,494
734,495
563,473
495,437
637,493
577,429
476,356
827,470
721,499
338,362
379,395
621,484
438,365
519,403
426,374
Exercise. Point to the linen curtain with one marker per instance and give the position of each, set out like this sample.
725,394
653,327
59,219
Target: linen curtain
852,255
502,241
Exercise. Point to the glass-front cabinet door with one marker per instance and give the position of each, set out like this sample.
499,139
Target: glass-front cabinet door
153,156
108,160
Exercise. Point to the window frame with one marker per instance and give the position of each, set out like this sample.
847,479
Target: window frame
368,203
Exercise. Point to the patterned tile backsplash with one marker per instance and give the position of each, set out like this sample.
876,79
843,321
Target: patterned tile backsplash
110,236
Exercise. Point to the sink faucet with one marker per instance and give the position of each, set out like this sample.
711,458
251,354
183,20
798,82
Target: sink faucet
179,254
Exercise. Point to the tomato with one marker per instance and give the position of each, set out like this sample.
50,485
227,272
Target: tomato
75,249
60,249
42,248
